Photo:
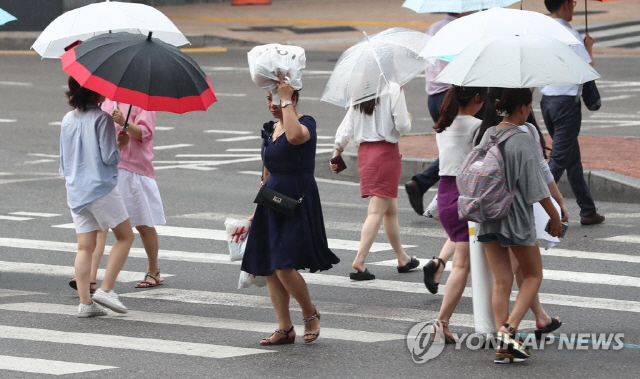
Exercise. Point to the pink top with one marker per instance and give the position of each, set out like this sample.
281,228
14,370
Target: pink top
137,156
433,69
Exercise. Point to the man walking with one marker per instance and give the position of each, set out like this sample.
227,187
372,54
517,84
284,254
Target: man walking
562,113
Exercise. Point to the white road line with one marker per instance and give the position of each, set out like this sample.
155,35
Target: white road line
318,180
206,322
221,235
35,214
45,366
7,120
186,166
54,123
227,131
164,128
627,239
612,98
19,84
245,150
41,161
623,215
176,146
129,343
237,139
216,155
15,218
63,271
343,309
44,155
10,293
230,94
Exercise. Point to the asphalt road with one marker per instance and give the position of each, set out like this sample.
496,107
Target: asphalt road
198,325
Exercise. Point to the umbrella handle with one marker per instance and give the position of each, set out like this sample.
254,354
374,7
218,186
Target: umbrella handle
126,120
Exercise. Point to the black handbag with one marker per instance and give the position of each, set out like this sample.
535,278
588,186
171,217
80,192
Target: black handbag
277,201
591,96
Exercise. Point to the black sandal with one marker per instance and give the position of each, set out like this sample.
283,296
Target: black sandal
307,323
550,327
413,263
508,341
429,271
73,284
282,341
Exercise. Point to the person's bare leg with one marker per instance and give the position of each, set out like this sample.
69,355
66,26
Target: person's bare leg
392,230
370,228
86,245
98,252
149,237
531,265
456,283
280,300
447,251
500,263
118,255
297,287
542,317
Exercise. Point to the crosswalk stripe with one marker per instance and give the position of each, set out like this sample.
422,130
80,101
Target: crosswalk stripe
325,307
64,271
129,343
45,366
625,238
15,218
10,293
221,235
35,214
556,275
176,146
206,322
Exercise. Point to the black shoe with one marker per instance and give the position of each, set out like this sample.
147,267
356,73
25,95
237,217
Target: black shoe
550,327
413,263
415,196
362,275
429,271
592,220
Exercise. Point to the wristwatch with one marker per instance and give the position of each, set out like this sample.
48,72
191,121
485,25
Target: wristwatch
284,104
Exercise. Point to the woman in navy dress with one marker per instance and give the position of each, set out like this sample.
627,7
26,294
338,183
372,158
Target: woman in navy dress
278,245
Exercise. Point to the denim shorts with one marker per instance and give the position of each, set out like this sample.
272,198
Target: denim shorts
496,237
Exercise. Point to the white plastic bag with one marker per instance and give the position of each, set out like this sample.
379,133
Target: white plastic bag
546,240
266,61
246,280
237,233
432,209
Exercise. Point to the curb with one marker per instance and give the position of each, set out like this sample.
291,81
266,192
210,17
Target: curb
605,185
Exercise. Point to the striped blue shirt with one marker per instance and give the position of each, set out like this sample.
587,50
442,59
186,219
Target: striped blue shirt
89,156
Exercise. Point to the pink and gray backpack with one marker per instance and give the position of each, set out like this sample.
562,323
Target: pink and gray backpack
482,183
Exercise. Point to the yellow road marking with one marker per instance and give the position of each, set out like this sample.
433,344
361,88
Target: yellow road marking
204,50
305,22
17,52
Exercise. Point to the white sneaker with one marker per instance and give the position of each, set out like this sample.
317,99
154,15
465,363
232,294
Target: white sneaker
91,310
110,300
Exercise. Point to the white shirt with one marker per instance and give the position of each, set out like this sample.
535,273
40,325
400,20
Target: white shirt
570,90
433,69
455,143
389,120
544,166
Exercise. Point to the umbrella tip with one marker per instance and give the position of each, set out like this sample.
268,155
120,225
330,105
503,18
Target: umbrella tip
149,37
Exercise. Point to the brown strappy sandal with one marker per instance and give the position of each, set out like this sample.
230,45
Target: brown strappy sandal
144,283
307,323
282,341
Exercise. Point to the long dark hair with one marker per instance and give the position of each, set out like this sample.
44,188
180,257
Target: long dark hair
367,107
453,99
491,117
80,97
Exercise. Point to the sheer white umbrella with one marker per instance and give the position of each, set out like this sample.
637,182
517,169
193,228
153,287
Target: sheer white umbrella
6,17
495,22
454,6
364,70
98,18
517,62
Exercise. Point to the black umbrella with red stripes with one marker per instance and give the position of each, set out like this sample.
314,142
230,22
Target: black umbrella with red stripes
139,70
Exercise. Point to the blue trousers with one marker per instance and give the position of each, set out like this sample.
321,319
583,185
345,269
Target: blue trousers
429,177
563,116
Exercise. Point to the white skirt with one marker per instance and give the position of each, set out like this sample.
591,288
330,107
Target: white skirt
546,240
141,198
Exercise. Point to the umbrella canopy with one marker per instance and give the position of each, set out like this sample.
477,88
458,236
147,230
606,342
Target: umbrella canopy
6,17
111,16
141,71
517,62
364,69
454,6
495,22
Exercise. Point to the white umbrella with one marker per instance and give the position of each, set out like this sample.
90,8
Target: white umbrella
517,62
6,17
495,22
454,6
110,16
364,69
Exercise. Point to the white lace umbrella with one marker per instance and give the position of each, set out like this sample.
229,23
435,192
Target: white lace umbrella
454,6
517,62
364,69
495,22
98,18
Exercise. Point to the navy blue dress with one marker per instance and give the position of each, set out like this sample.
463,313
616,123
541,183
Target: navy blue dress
299,242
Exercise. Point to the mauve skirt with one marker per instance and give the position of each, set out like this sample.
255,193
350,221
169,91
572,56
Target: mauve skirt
458,231
379,166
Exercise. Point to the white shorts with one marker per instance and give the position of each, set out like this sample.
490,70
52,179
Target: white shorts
101,214
141,198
